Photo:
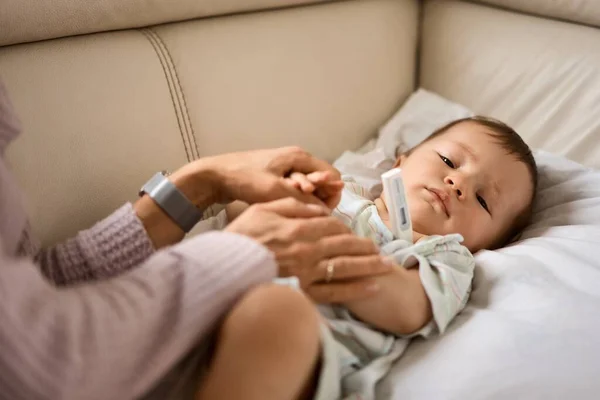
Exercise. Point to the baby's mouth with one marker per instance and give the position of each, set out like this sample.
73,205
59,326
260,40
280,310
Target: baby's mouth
441,198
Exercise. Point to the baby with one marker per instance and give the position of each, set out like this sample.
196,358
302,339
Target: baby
469,186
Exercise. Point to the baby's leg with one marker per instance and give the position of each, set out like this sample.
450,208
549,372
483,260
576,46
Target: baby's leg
267,348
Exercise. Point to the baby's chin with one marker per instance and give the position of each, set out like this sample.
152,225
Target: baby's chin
421,230
426,229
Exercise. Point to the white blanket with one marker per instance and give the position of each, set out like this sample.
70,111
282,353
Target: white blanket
532,327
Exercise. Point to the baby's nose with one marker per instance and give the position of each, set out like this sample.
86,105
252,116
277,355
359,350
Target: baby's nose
454,186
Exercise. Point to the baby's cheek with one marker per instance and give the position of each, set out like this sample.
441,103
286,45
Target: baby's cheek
424,220
477,235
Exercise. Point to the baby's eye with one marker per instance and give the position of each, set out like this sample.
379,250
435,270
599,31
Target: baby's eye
447,161
483,203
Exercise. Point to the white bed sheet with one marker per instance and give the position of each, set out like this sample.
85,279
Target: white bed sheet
531,329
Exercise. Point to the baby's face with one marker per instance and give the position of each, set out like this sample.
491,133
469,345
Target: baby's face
462,181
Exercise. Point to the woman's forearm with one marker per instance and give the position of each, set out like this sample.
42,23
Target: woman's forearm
198,182
116,338
111,247
126,238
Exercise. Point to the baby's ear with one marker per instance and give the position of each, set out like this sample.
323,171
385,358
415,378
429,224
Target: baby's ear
399,160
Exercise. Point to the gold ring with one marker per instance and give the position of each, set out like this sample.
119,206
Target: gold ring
329,271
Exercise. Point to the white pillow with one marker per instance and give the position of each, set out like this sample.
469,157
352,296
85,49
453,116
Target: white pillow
531,329
420,115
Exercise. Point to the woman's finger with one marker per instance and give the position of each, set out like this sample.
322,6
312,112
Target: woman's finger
292,183
319,177
257,187
299,160
305,184
348,245
294,208
325,179
328,196
314,229
353,267
333,185
328,187
341,292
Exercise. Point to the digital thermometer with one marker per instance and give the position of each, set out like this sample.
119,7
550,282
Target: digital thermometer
395,199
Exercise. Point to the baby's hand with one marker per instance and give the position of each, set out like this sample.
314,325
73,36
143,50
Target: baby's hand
319,183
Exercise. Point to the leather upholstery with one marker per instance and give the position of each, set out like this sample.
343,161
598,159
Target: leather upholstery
539,75
32,20
103,112
579,11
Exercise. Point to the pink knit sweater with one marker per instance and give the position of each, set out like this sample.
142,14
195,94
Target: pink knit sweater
102,316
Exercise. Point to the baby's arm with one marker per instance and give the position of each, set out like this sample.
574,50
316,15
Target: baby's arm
437,287
400,306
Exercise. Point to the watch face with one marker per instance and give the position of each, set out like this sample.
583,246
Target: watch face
148,185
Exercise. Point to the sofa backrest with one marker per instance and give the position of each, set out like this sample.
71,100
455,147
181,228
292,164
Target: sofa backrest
585,12
25,21
103,111
516,61
110,92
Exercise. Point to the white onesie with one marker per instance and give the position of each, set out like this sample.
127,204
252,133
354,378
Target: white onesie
356,356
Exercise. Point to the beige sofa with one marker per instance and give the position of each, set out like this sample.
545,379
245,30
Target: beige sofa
111,91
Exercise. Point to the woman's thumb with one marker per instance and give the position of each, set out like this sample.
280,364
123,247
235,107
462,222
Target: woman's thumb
294,208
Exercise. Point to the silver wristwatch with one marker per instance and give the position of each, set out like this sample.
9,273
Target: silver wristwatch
174,203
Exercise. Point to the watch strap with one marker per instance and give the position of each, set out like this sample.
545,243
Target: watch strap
174,203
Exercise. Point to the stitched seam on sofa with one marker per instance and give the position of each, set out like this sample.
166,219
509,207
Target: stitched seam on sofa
171,87
185,110
513,10
418,49
169,72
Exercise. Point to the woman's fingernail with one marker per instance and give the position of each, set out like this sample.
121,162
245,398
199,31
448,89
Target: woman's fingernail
373,287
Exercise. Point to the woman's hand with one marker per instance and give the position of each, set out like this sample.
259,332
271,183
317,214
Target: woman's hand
254,177
332,264
321,184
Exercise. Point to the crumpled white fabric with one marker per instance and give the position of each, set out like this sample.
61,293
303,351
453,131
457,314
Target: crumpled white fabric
530,328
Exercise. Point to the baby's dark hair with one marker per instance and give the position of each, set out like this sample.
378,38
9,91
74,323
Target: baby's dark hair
510,140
